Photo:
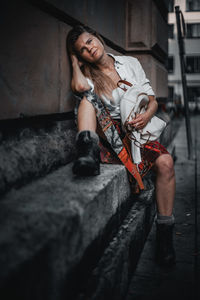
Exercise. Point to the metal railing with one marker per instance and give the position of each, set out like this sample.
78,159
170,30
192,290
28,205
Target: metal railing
181,35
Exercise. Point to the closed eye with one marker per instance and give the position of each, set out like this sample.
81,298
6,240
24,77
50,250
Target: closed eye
89,41
82,50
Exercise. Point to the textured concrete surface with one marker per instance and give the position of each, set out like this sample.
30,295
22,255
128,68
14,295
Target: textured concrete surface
98,15
58,226
34,152
182,281
55,218
111,276
34,67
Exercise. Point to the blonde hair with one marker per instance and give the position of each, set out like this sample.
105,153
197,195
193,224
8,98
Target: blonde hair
103,84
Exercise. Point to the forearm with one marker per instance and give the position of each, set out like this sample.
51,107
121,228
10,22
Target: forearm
152,107
79,82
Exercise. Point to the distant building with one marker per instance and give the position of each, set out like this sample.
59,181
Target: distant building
191,13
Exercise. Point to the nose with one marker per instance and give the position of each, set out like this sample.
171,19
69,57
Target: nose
89,48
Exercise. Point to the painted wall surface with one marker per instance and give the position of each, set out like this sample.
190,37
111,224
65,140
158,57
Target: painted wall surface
146,27
34,76
147,37
105,16
34,68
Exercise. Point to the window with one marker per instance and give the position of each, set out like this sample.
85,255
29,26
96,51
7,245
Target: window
193,30
170,93
171,31
193,64
193,93
170,64
171,6
192,5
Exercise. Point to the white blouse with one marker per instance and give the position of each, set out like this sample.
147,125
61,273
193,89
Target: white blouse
129,69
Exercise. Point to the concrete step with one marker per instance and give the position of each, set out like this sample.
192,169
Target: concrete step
66,236
54,231
31,152
49,223
111,277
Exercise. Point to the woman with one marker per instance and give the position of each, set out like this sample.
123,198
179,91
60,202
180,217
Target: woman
96,71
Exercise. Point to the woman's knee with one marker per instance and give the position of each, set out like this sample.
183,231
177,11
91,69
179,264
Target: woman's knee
165,165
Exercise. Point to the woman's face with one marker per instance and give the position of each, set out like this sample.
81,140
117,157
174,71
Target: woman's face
89,47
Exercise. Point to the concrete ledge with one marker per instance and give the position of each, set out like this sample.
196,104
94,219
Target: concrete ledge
52,221
33,152
111,277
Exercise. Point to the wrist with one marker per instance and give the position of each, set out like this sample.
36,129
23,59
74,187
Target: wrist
147,115
75,65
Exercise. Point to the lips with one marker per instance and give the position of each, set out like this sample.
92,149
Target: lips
94,52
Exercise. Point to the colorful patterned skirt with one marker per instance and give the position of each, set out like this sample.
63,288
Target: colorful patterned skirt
149,152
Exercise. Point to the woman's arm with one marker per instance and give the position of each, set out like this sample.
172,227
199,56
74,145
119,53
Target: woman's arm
141,120
79,82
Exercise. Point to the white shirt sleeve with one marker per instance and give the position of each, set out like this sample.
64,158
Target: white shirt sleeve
141,76
90,83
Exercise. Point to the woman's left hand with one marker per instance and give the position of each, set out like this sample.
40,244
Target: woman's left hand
140,121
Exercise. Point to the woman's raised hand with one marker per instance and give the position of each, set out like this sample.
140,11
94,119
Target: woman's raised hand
78,83
75,61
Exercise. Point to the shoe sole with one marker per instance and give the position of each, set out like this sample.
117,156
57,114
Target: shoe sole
83,167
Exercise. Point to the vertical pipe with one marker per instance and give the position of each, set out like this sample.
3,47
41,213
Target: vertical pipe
184,84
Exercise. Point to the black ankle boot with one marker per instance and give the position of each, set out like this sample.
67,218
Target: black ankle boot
88,155
165,254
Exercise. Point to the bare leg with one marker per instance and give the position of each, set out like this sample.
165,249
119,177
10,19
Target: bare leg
87,142
165,184
165,191
86,116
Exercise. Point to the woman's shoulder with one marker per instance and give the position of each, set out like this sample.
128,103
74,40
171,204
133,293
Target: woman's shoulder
125,58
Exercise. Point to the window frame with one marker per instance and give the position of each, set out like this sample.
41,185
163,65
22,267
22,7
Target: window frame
172,58
171,6
192,87
197,63
169,31
187,6
192,37
171,92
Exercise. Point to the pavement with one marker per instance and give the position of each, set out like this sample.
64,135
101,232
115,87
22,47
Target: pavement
182,281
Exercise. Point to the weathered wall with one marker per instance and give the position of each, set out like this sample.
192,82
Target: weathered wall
105,16
34,68
34,72
146,38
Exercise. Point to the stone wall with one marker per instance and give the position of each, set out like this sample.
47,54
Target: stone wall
34,67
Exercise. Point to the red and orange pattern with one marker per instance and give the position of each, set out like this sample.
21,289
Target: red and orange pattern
149,153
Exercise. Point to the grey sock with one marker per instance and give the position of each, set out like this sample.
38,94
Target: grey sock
92,134
161,219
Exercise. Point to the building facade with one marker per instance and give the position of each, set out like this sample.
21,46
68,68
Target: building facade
191,13
34,67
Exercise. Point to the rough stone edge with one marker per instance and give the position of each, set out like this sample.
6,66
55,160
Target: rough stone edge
79,212
111,277
32,153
